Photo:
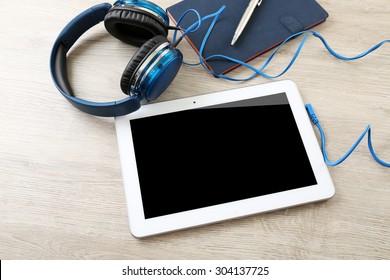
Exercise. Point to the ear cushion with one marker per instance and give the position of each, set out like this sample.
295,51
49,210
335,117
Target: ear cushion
137,59
133,26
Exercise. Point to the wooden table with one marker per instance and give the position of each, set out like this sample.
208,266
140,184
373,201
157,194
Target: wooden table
61,188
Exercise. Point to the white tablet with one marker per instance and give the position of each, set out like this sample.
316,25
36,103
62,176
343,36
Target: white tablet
224,155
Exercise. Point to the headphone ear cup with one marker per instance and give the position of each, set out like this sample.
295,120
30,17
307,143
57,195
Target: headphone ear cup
136,61
132,26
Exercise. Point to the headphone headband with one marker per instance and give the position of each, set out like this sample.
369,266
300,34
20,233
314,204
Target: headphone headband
58,66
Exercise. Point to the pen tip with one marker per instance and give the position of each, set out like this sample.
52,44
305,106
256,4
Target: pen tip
233,41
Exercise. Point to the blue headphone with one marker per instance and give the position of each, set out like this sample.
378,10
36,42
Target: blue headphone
149,72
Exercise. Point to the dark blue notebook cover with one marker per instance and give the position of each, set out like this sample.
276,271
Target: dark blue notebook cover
271,23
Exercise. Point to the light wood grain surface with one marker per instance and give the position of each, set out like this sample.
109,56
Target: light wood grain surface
61,188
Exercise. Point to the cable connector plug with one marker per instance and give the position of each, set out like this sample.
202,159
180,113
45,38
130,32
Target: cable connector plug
312,114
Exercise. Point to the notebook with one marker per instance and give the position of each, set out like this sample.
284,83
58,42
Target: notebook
270,24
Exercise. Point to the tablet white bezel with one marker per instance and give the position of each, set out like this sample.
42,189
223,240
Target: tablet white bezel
141,227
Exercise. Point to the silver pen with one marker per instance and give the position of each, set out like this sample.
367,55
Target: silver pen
245,18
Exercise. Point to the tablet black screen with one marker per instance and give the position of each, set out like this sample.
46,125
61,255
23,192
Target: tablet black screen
202,157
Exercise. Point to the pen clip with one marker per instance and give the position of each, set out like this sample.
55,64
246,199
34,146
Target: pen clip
258,4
